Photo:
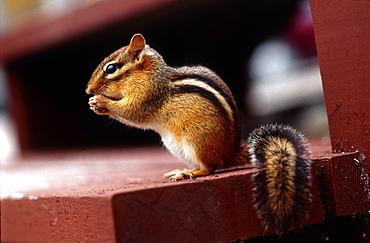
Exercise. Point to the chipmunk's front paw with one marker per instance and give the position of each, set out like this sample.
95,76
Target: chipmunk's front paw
98,104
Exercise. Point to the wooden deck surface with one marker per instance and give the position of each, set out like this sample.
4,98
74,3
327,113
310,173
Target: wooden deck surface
109,195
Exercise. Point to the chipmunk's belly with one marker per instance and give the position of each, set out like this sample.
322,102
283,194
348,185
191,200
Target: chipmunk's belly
180,149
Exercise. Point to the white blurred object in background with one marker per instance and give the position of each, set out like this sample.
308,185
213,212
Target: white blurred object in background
8,141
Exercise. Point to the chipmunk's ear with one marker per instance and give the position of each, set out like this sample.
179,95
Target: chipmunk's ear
137,44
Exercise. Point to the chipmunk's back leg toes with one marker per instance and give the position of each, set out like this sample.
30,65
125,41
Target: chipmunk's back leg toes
185,174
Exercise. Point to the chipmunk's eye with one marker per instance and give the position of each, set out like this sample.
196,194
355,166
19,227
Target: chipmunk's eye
112,68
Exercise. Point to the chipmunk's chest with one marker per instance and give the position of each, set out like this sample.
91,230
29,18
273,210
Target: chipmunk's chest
180,148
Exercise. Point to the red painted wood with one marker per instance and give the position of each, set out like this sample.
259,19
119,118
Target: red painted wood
104,195
57,219
43,34
342,31
216,208
67,196
117,194
344,184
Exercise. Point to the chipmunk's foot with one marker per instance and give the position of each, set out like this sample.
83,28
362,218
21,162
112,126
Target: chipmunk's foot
186,174
175,175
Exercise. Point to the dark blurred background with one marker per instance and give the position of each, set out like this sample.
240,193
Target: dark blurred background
264,50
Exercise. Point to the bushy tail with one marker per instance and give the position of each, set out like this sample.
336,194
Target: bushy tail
281,188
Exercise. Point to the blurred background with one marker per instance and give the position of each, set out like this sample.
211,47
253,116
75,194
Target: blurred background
264,50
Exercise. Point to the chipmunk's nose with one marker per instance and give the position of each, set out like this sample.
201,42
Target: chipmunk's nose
89,90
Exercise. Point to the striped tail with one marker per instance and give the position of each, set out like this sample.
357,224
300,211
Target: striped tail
281,189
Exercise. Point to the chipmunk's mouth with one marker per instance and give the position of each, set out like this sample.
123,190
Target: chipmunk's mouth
113,97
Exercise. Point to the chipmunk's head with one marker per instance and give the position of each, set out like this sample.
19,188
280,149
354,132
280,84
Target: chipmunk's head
125,71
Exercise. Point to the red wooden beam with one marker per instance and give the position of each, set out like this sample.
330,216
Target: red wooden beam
48,218
342,31
133,203
43,33
217,208
344,184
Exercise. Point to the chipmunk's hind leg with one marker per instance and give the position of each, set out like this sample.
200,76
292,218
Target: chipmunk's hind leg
186,174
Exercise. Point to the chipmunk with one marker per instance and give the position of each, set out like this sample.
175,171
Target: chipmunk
196,116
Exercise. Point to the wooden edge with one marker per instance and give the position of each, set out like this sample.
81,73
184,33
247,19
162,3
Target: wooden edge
344,184
213,208
57,219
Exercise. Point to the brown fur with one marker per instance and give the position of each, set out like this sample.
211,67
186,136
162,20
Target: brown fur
281,190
